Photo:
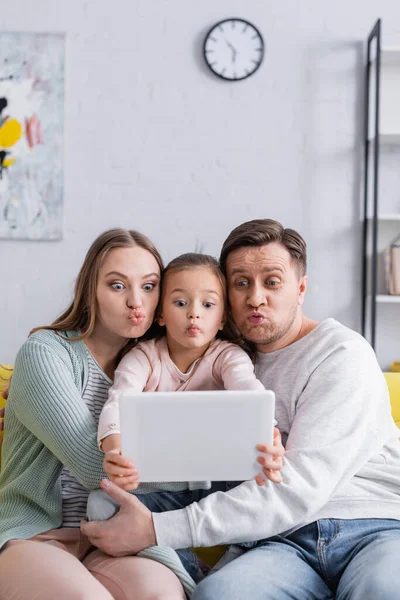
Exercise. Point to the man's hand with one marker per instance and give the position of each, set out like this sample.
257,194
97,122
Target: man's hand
128,532
271,466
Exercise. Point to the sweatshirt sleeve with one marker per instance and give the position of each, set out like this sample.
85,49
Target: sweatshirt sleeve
334,433
47,402
235,369
131,375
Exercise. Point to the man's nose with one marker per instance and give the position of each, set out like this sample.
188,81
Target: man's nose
256,297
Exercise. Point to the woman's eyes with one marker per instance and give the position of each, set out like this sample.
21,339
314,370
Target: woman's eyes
118,286
149,286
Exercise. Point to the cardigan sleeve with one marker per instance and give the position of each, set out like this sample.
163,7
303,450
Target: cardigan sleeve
46,400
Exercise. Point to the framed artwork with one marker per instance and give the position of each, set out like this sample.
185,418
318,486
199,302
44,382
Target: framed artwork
31,135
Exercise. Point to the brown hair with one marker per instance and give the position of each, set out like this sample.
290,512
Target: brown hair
260,232
81,314
194,260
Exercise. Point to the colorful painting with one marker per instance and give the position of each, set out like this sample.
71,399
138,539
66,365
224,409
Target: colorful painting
31,135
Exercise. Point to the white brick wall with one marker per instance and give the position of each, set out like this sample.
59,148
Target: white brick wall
155,142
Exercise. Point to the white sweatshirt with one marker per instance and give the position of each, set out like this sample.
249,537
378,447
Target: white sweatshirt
342,449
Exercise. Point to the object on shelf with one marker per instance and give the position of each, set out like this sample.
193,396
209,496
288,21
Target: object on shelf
395,266
395,367
391,263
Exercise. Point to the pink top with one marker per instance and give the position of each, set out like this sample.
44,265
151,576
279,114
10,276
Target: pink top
149,368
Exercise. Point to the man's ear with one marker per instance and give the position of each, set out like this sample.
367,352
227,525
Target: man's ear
302,288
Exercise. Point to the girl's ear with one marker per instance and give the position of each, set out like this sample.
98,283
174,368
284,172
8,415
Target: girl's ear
160,320
223,321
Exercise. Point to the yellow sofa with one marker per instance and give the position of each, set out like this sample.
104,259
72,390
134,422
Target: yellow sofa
5,374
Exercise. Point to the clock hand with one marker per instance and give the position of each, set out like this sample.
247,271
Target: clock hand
234,51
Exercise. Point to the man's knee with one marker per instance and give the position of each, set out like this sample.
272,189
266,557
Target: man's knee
205,590
377,586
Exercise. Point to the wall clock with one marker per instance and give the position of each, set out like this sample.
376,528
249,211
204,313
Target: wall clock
233,49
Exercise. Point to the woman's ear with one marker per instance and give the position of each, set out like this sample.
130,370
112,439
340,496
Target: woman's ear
160,320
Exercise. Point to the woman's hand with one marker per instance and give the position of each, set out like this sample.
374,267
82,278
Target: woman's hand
121,470
271,465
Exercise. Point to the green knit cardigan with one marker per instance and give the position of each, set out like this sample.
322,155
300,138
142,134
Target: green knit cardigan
47,426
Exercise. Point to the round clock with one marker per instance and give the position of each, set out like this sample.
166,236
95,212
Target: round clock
233,49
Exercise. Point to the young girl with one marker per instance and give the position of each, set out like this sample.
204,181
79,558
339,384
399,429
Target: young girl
192,355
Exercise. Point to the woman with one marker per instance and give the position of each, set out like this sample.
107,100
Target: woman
50,458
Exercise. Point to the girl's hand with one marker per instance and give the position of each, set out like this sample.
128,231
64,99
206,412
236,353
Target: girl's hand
271,465
121,470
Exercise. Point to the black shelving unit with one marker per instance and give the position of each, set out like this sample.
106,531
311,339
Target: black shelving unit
369,275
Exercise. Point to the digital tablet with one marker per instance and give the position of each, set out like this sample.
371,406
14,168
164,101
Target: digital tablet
196,436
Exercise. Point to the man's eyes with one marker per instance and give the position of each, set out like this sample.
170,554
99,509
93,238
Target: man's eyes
267,283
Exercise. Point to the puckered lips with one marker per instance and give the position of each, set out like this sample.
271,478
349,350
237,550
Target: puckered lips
256,318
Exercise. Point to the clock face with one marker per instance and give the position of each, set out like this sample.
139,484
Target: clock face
233,49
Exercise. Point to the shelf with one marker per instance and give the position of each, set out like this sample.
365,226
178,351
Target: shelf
386,298
387,217
392,139
390,55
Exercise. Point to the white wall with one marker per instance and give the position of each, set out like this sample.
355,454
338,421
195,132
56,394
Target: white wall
155,142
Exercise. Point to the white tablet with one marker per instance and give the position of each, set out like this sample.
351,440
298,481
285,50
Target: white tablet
196,436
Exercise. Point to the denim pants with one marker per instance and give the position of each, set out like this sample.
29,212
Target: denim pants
101,507
330,559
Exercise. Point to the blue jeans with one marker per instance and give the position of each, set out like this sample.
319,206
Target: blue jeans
330,559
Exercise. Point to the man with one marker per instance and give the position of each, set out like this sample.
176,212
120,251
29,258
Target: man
331,529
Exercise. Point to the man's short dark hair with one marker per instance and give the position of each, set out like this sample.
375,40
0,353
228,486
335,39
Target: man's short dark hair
260,232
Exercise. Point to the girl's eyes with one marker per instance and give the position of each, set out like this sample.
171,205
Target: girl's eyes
208,304
118,286
180,303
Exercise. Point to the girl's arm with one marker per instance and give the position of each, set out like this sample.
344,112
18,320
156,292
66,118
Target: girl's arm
131,376
234,367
